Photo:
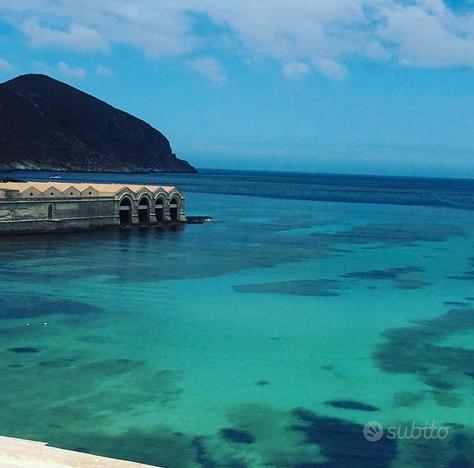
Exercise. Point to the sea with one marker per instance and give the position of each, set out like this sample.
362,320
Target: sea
317,321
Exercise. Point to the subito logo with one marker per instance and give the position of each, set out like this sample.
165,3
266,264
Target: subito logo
373,431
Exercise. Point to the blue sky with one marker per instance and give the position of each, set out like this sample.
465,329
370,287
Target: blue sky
369,86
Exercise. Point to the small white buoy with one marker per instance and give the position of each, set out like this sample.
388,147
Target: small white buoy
45,323
27,324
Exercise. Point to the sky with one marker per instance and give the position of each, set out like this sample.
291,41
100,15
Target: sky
351,86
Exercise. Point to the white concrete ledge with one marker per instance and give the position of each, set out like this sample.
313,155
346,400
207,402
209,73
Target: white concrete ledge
20,453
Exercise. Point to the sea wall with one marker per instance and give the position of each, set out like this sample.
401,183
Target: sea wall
19,215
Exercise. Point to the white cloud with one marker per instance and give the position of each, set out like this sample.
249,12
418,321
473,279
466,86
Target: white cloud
102,70
210,68
75,37
320,33
429,35
159,29
294,70
71,72
331,68
326,35
5,66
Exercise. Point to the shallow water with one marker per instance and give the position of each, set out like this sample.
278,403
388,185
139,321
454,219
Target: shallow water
266,338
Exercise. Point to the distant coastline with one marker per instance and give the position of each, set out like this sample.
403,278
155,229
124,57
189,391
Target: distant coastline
68,171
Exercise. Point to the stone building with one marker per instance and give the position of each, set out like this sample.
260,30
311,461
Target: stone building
62,206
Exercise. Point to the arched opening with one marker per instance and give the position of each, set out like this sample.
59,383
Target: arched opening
144,211
174,209
160,210
50,211
125,211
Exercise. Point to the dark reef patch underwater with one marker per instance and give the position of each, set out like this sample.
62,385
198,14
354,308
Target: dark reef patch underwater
352,405
24,350
415,350
17,306
393,234
320,287
396,275
263,436
342,442
268,338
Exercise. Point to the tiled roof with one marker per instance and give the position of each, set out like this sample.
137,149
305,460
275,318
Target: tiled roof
103,189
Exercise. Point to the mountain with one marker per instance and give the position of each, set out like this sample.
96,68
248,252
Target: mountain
49,125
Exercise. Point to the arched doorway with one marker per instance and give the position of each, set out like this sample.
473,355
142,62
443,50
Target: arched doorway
174,209
125,211
144,211
50,211
160,210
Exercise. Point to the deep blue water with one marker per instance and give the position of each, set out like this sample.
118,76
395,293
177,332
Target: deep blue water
303,186
267,338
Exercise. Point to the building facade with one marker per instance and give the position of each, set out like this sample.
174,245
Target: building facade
45,206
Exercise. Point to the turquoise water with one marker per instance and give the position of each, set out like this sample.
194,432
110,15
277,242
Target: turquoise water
266,338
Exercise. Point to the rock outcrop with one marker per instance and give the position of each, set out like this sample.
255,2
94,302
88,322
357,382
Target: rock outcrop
48,125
